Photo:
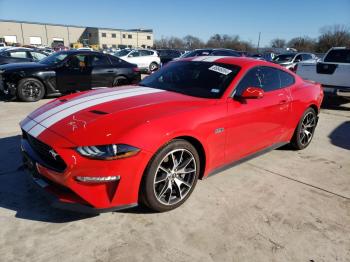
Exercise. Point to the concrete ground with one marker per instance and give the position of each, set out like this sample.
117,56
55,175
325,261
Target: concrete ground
283,206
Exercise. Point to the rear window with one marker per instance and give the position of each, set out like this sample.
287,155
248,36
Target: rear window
338,56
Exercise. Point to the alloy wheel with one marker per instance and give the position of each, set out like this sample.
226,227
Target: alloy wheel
307,128
31,89
175,176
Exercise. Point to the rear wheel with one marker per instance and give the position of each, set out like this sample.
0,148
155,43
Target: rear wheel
171,176
30,90
304,132
120,81
153,67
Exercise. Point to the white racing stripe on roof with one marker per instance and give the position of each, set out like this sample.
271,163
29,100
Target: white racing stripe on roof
53,119
213,58
199,58
84,99
208,58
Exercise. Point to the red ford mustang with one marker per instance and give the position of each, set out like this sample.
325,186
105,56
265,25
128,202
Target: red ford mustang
110,149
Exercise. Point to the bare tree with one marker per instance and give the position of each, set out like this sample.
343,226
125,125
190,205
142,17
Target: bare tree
278,43
331,36
302,43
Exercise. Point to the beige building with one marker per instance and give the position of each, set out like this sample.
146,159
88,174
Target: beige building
32,33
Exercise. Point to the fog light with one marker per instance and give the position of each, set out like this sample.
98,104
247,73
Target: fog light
91,179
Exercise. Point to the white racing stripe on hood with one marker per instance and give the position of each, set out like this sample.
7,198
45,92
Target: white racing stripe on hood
53,119
84,99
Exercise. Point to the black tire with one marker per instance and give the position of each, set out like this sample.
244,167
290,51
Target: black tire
304,132
178,193
120,81
153,67
30,90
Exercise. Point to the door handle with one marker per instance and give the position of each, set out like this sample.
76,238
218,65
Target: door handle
110,71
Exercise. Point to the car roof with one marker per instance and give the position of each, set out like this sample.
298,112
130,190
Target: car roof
232,60
76,51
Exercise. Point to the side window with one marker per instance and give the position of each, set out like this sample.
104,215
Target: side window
134,54
286,79
19,54
306,57
297,59
269,78
37,56
99,60
264,77
115,60
251,79
78,61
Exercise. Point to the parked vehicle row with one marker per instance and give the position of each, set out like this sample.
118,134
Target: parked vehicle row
65,72
290,60
20,55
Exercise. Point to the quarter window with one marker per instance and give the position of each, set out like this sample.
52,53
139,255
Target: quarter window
286,79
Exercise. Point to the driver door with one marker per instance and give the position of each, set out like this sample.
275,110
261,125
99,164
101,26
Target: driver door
255,124
74,75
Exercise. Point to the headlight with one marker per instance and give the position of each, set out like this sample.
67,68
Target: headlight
107,152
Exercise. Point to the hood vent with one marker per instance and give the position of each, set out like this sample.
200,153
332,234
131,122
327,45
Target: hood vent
98,112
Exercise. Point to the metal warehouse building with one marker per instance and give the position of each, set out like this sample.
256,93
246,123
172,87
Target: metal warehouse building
33,33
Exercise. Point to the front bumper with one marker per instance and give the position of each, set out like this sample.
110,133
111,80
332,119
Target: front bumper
66,192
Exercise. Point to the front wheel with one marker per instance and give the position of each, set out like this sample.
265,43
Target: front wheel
171,176
30,90
304,132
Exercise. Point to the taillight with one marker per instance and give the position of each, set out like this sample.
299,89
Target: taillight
136,69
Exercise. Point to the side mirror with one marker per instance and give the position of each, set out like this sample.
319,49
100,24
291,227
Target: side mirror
253,93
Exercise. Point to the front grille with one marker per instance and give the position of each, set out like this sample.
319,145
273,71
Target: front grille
46,153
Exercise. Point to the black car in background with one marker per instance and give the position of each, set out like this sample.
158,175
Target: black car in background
212,52
167,55
20,55
65,72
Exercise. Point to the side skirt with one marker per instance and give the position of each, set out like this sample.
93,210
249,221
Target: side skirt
246,158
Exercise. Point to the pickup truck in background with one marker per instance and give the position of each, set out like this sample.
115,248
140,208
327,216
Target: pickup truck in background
332,72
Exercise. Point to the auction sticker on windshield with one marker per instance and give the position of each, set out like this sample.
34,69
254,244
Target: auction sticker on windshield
220,69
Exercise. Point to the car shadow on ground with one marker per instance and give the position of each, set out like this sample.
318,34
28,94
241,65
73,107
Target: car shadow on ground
340,136
17,192
334,103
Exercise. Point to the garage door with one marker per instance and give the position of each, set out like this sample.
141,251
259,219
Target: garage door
10,38
35,40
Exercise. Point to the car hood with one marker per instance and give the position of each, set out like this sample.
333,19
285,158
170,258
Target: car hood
22,66
107,114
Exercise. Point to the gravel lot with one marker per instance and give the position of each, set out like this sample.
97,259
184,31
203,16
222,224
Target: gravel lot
283,206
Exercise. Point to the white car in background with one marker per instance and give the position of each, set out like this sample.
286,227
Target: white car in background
290,60
145,59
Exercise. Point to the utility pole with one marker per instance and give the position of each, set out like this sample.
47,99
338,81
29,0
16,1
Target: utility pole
257,50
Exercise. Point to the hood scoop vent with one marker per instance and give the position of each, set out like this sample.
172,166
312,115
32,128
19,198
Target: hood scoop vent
98,112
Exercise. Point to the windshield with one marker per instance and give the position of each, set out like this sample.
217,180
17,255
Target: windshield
199,79
122,53
284,58
54,59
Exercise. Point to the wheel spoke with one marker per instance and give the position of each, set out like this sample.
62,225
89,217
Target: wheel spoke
180,182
